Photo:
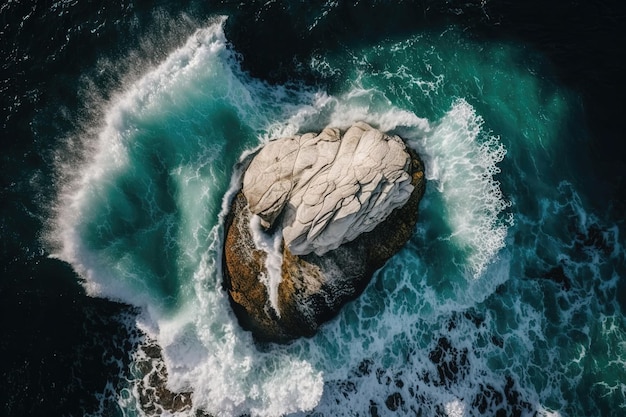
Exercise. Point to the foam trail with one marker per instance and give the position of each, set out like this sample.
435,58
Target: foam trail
272,246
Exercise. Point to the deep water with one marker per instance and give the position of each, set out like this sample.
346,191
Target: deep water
123,127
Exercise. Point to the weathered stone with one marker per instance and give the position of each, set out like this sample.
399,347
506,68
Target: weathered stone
328,188
313,287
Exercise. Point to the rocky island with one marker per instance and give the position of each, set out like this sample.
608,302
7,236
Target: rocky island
316,216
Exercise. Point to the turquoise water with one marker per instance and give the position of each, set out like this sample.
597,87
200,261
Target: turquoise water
463,315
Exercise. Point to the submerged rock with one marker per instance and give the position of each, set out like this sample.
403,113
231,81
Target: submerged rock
316,217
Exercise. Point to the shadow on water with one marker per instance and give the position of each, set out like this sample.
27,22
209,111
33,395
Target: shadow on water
57,343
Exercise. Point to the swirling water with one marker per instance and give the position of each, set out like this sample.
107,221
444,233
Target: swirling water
505,298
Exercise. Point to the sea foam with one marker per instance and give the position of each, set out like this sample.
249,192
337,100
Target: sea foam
461,158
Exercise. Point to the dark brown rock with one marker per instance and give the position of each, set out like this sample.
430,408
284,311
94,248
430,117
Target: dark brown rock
154,396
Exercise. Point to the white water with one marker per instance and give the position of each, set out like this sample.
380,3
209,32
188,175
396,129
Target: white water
461,158
272,246
203,347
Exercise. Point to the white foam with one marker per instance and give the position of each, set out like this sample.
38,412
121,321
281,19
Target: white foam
359,104
271,244
461,159
455,408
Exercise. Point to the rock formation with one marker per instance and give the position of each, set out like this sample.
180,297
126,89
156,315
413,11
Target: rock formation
317,215
329,188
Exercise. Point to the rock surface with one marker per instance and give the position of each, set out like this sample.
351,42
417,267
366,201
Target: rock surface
329,189
343,210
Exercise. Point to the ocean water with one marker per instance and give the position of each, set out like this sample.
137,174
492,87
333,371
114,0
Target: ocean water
507,300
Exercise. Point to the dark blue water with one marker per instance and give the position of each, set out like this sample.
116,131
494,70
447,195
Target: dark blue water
123,126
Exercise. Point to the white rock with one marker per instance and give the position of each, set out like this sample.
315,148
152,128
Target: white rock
329,189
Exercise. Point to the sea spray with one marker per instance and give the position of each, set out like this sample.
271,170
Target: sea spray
461,159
